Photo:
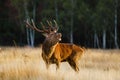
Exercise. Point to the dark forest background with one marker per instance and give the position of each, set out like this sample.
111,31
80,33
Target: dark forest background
93,24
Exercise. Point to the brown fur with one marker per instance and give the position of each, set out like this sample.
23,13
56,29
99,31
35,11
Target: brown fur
65,52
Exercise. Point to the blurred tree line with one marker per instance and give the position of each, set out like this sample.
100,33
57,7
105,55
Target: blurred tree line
88,23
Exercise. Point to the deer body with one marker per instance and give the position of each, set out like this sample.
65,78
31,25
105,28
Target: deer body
55,52
64,52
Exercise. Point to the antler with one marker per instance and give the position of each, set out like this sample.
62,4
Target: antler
55,28
49,29
34,27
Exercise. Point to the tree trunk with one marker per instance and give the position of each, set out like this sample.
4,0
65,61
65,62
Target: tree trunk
104,39
27,18
30,32
115,27
72,22
96,40
71,30
56,10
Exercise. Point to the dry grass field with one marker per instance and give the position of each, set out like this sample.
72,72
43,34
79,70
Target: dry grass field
26,64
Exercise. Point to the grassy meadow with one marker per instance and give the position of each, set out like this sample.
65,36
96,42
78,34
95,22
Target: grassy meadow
25,63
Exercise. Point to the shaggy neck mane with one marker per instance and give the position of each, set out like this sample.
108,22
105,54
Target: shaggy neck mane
48,48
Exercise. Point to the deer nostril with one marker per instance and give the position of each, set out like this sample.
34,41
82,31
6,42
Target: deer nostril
59,39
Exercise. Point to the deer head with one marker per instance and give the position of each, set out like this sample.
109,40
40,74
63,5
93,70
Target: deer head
49,31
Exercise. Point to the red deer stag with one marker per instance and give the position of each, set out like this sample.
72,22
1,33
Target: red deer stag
55,52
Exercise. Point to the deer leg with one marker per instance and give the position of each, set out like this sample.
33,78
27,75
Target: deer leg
74,65
57,61
58,65
46,60
47,63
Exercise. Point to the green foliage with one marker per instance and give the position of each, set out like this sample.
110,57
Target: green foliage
88,16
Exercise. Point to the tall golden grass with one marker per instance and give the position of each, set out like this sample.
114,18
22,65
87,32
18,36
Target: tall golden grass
25,63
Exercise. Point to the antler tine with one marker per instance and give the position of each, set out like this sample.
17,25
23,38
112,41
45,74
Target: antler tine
33,26
44,27
56,25
50,25
28,24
